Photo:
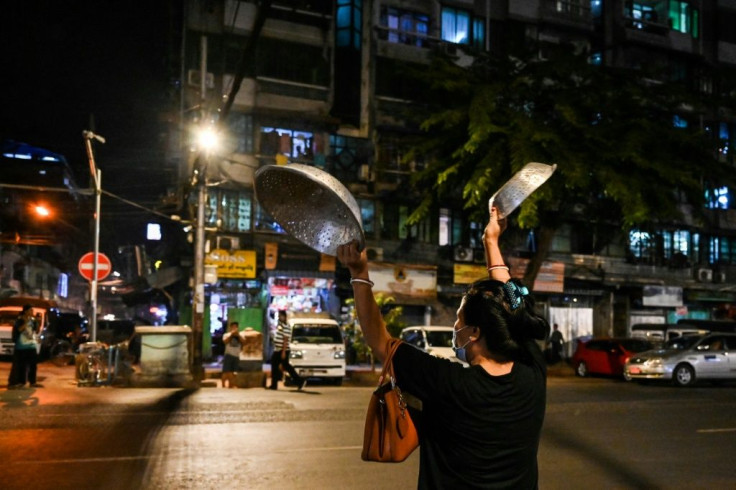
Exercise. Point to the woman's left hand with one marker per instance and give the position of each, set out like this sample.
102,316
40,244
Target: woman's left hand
356,261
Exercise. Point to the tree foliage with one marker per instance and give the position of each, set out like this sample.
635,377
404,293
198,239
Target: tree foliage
610,132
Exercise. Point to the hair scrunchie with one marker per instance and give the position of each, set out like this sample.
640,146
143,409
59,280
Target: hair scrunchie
514,293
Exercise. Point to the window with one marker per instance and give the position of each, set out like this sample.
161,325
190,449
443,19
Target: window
241,127
420,232
722,250
229,210
348,24
683,17
367,215
718,198
288,142
264,221
679,122
404,27
647,16
641,244
459,27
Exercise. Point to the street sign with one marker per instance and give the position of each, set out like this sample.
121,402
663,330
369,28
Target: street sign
87,265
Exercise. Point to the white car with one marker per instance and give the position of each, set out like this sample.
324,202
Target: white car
317,348
684,360
435,340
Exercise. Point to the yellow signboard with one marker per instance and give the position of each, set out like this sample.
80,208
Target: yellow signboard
468,273
239,264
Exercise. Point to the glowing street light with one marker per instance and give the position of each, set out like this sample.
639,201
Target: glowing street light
42,210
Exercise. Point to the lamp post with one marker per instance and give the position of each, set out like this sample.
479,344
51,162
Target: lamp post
97,178
207,139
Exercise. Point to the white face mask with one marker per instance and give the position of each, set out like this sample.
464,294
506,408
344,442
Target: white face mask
460,351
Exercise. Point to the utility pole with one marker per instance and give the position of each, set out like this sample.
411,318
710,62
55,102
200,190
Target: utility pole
199,297
97,179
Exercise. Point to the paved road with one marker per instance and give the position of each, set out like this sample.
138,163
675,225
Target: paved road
598,433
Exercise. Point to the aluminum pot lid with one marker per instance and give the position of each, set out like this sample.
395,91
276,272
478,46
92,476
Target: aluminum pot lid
519,187
310,205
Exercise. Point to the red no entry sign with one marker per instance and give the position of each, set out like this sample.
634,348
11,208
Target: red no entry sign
87,266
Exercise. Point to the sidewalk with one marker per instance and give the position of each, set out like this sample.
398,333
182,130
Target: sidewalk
51,375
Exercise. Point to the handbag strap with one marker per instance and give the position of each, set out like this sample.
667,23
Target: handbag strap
388,367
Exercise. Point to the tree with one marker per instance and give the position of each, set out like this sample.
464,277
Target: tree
392,315
610,132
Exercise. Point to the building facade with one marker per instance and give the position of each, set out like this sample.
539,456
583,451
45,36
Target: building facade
321,86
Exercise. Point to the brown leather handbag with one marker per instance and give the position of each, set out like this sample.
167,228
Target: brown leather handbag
390,435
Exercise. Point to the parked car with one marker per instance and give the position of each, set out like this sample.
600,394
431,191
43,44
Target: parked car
46,310
435,340
684,360
317,347
658,333
606,355
59,335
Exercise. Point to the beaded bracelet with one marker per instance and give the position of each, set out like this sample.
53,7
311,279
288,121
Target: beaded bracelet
362,281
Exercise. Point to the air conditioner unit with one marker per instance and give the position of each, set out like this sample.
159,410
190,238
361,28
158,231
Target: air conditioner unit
374,253
463,254
228,242
719,277
705,275
195,80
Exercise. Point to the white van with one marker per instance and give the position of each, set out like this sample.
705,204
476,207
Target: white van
317,347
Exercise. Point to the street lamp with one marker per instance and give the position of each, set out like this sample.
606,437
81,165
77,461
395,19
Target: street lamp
207,139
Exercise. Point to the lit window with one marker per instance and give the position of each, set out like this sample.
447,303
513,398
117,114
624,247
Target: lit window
683,18
456,27
718,198
153,231
679,122
445,227
640,244
404,27
367,214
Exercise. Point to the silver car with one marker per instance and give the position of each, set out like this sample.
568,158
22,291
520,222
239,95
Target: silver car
683,360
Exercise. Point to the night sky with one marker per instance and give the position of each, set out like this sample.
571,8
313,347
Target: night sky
66,62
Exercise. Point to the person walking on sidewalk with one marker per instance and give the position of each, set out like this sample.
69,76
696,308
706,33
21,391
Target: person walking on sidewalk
280,356
25,354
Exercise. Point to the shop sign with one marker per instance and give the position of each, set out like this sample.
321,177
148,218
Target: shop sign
239,264
550,278
468,273
656,295
405,283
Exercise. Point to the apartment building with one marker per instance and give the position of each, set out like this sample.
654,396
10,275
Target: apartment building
323,87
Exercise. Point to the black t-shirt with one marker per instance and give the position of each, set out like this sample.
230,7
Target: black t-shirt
475,430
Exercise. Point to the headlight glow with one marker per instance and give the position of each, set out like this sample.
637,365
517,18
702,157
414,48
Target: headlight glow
296,354
340,354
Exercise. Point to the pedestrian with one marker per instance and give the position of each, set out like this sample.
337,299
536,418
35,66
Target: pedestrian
233,344
280,357
479,426
25,353
556,342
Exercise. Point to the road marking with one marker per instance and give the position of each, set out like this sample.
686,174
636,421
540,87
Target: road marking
336,448
728,429
84,460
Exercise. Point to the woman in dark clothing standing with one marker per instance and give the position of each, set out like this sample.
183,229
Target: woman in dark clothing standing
480,425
